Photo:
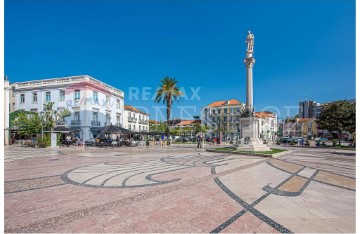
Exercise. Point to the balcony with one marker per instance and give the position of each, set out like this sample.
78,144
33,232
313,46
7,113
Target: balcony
60,122
118,124
75,122
132,119
95,123
142,121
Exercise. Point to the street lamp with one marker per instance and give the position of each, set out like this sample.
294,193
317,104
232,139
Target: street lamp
42,124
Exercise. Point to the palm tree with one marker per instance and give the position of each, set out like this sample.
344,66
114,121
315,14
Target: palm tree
167,92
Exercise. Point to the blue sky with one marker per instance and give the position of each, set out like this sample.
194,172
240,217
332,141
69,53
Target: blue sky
302,48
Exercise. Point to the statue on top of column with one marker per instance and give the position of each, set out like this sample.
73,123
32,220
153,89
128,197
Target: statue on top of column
250,41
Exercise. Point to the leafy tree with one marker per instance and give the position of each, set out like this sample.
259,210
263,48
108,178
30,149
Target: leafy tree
338,116
167,92
52,117
200,128
157,126
27,123
15,114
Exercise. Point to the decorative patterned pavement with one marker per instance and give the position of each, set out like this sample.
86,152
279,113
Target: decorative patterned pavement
174,189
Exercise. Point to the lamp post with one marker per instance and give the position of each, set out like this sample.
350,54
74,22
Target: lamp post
42,124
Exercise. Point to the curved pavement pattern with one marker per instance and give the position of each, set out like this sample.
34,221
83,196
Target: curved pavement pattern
182,190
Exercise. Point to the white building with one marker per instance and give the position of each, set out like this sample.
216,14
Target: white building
135,120
223,118
6,110
267,125
91,102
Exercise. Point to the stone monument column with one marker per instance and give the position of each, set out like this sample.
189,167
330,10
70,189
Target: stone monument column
249,123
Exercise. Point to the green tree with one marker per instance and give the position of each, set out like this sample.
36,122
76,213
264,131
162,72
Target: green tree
167,92
200,128
27,123
52,117
157,127
338,116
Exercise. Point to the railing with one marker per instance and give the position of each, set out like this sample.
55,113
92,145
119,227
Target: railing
70,79
118,124
75,122
132,119
95,123
141,121
60,122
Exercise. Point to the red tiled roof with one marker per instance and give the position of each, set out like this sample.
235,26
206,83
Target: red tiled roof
264,114
222,103
188,122
133,109
303,119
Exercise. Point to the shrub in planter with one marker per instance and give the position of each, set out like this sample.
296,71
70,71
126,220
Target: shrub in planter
265,142
278,142
292,143
307,143
335,142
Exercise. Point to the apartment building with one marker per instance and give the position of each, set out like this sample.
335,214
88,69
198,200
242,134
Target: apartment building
300,127
135,120
91,102
267,125
223,118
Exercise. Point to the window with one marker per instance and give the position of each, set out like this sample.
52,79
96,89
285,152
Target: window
35,97
237,118
218,111
238,110
225,110
107,100
47,96
76,116
225,119
213,111
77,95
134,127
107,119
34,110
22,98
118,103
95,116
118,119
95,97
62,95
130,126
214,119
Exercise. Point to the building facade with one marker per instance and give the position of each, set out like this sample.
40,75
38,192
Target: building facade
91,102
300,127
223,118
309,109
135,120
6,110
267,125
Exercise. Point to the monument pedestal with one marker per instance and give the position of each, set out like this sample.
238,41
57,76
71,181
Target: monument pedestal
250,140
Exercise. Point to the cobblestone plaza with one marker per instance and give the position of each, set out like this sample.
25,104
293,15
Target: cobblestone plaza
178,189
